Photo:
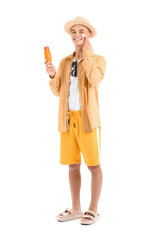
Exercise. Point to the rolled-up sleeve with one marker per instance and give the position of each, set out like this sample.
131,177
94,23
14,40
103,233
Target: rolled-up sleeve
94,69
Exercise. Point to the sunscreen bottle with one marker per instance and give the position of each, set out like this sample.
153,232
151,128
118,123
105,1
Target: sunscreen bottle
47,54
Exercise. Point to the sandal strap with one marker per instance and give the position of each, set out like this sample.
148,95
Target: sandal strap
91,212
65,212
68,210
72,212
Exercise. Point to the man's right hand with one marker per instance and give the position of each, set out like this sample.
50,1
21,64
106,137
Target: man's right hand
50,69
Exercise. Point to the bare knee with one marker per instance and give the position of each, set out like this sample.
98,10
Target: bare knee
75,167
94,168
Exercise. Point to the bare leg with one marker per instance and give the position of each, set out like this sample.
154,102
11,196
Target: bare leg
96,186
75,185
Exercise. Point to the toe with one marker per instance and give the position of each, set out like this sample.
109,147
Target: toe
61,215
85,219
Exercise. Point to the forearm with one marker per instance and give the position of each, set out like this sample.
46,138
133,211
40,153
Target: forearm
55,85
94,69
55,81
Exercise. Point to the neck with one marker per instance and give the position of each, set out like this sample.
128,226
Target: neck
79,52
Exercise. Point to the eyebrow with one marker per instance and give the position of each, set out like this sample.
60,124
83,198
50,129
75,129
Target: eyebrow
79,30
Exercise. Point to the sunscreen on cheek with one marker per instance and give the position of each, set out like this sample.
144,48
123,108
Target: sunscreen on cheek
84,35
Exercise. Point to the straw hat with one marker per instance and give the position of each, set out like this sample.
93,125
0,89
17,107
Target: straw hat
82,21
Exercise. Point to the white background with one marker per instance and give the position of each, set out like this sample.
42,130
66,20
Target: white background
34,186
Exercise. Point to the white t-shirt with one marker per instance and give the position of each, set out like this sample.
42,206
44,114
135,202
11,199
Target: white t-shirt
74,100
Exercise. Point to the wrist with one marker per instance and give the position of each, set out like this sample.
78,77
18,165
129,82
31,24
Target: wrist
88,53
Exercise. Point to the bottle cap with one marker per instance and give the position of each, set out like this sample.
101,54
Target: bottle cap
46,48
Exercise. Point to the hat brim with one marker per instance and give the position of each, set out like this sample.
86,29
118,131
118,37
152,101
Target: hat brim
71,23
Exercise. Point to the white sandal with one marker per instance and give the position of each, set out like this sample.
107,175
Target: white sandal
66,217
92,218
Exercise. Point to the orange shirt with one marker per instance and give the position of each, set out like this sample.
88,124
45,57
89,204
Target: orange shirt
91,70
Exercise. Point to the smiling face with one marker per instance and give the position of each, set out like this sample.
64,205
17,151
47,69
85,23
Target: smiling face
76,34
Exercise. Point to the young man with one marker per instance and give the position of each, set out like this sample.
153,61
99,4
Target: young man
76,83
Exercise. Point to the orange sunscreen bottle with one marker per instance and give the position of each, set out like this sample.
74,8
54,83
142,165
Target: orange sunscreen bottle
47,54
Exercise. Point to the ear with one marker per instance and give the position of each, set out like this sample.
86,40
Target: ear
89,35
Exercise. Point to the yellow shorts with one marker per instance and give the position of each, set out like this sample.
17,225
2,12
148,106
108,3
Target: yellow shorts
75,141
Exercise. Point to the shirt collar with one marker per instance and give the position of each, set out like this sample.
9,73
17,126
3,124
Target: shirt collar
71,56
